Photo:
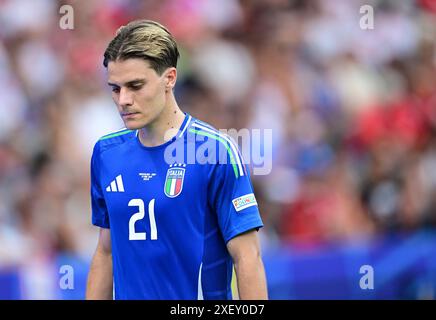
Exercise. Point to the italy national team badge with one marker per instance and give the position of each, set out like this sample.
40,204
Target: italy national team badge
174,180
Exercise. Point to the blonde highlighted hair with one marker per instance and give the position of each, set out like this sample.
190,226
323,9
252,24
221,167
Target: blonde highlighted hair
144,39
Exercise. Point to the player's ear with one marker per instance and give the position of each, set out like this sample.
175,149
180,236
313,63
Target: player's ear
170,77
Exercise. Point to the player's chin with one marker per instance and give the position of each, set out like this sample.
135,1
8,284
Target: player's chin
133,124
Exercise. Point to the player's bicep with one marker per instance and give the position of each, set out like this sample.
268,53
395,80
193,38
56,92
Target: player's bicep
244,245
104,241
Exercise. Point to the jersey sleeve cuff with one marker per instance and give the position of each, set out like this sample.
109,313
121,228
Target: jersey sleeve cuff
255,223
101,223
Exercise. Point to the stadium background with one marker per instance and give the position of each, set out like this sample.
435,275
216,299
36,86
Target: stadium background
353,114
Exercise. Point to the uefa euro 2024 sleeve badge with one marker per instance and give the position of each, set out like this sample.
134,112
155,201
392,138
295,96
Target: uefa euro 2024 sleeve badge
174,180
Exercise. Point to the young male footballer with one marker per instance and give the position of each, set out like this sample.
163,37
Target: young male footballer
169,229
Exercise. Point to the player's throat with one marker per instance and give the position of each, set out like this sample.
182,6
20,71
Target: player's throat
165,128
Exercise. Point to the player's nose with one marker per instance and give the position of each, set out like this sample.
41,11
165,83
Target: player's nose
125,98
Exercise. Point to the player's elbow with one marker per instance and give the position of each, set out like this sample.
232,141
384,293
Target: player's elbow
248,258
245,247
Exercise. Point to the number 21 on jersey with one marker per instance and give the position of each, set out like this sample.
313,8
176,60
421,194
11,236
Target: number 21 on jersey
133,235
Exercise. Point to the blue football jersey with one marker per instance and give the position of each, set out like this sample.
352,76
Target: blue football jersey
171,210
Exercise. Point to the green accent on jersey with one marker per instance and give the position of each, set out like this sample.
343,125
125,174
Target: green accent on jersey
168,186
116,134
232,159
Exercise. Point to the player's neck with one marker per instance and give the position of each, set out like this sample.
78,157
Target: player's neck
164,127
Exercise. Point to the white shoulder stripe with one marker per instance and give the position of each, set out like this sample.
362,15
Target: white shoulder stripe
122,129
232,145
205,124
186,126
113,132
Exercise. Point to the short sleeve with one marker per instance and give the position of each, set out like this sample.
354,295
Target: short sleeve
231,196
100,215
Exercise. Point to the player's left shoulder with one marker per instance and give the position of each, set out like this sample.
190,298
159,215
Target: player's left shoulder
227,152
220,135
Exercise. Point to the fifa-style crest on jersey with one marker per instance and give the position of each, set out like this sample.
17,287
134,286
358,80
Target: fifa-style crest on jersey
174,180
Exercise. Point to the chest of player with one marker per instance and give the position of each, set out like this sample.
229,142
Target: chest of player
147,183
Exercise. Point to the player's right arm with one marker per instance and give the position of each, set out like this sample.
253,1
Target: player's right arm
100,278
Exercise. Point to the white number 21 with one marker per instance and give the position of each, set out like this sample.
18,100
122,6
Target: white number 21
133,235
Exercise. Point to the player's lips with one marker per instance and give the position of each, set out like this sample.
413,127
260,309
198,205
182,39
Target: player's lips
129,114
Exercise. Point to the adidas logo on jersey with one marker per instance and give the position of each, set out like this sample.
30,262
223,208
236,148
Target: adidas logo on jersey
116,185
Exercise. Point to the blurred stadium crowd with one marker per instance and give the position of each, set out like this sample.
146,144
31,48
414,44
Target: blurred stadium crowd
353,112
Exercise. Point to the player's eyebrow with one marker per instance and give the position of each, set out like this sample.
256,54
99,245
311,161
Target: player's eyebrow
128,83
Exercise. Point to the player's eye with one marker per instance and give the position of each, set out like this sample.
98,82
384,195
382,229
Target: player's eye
115,89
136,87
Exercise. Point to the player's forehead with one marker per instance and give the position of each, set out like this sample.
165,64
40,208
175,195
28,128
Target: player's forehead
124,71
